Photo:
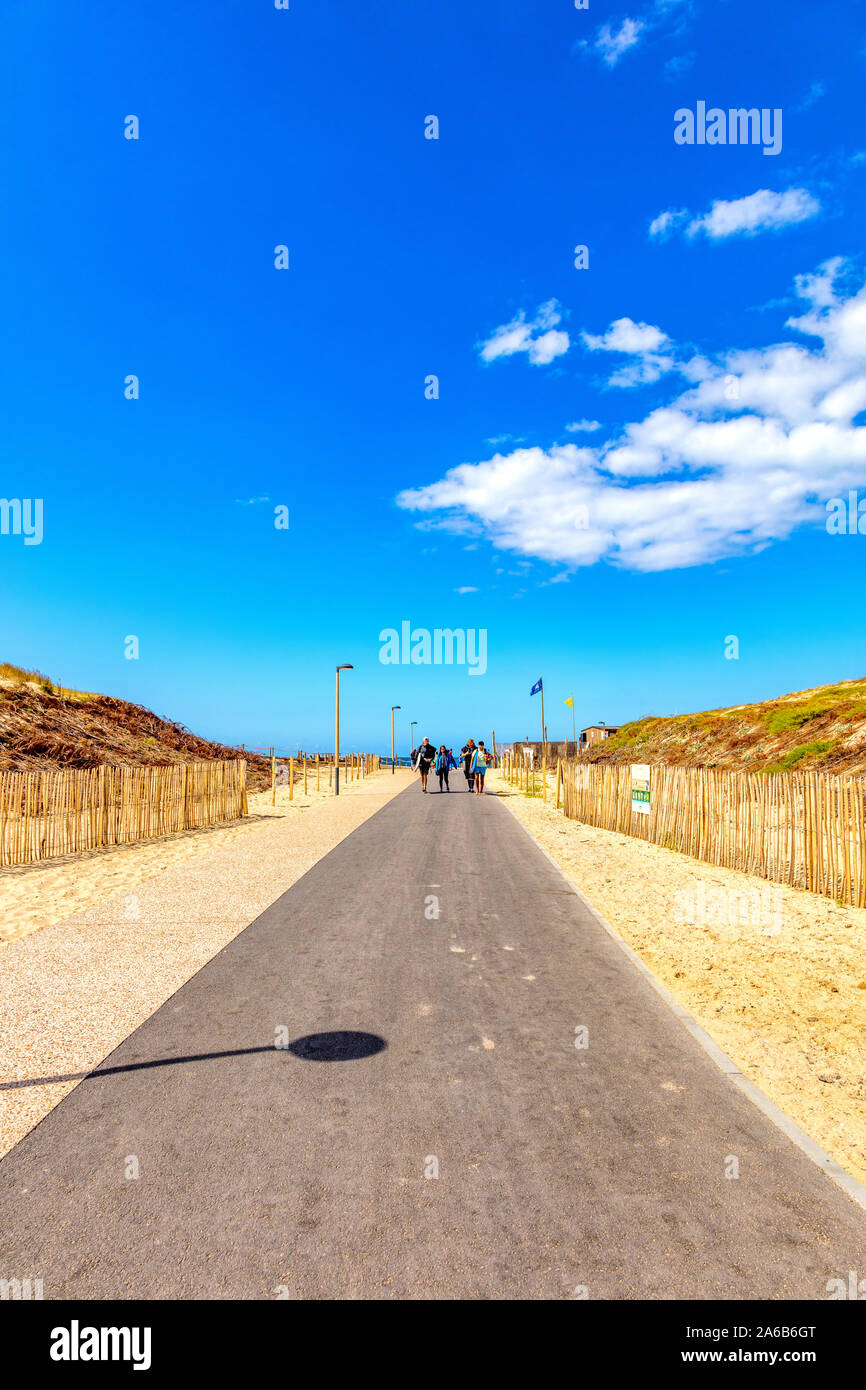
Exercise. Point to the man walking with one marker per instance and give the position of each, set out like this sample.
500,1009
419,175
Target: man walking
467,753
424,760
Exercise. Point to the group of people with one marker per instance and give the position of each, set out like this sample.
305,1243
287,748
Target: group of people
474,759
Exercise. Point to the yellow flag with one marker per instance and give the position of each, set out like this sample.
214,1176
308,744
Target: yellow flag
570,701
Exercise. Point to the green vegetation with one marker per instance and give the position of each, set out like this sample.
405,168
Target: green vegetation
843,702
780,721
797,755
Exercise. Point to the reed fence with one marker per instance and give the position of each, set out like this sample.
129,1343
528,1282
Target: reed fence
806,829
43,814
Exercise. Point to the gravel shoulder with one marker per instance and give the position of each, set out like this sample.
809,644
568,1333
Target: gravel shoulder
94,945
775,975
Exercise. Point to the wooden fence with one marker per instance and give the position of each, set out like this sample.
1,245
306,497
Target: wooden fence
803,828
66,812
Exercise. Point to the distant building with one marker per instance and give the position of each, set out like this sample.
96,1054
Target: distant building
596,733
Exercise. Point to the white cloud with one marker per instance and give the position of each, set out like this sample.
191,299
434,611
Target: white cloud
763,211
667,222
612,45
751,450
624,335
466,589
642,342
583,426
517,336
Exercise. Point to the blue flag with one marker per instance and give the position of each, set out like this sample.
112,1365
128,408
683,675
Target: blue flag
535,689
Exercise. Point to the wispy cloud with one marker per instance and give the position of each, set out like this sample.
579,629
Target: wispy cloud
763,211
466,589
667,222
583,426
747,453
815,93
611,45
676,66
613,40
539,337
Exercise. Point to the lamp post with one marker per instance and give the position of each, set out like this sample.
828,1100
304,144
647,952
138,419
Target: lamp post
393,707
412,739
347,666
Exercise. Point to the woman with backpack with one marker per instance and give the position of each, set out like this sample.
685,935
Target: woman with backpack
481,760
444,762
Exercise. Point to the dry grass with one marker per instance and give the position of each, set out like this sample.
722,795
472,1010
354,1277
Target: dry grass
16,675
823,729
45,727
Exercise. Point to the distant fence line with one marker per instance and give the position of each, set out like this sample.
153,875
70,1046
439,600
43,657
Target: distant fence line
43,814
292,763
807,829
285,771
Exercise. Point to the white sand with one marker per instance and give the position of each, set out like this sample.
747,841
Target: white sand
776,975
148,916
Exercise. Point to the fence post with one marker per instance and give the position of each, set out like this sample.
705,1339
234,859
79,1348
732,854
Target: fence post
291,779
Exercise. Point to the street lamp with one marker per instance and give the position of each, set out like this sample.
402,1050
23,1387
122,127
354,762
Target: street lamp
347,666
393,707
412,739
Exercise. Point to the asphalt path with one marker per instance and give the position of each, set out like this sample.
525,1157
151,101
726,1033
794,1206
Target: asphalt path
374,1092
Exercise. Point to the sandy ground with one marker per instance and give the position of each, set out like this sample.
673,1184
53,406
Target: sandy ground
96,943
776,975
33,896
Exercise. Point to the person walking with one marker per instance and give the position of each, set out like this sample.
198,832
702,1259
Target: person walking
424,760
481,760
443,765
466,753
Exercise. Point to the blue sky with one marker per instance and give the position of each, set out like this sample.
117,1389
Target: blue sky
615,560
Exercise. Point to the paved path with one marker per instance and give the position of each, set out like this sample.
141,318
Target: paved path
559,1169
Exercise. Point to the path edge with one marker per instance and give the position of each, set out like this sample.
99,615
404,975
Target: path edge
829,1167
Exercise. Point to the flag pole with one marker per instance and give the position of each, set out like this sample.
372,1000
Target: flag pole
543,730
